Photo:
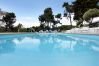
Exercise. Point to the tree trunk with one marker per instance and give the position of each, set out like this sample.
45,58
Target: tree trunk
18,30
91,22
6,27
70,20
50,25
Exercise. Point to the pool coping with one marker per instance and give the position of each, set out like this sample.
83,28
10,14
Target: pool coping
10,33
6,33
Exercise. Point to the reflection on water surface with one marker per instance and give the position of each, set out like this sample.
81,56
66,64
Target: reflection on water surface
48,50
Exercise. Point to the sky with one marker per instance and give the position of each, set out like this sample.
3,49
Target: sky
27,11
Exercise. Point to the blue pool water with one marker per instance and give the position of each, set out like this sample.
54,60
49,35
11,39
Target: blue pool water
49,50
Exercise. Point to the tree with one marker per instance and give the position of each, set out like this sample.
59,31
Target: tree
9,19
46,18
0,14
42,21
81,6
19,26
68,11
58,16
90,14
49,17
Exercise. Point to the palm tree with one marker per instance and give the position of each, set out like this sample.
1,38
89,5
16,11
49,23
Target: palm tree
68,11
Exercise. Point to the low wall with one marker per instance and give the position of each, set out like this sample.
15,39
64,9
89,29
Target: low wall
84,31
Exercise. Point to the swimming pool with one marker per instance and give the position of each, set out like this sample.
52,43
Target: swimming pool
49,50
